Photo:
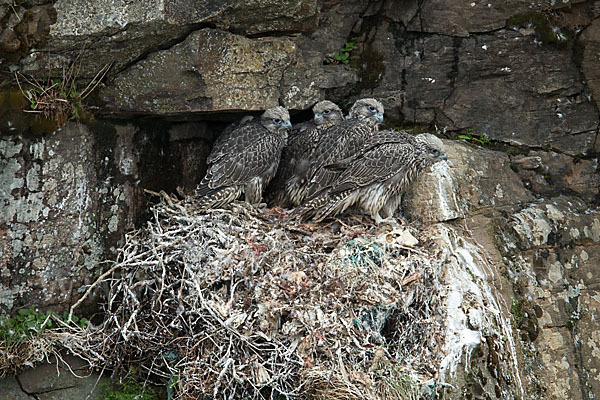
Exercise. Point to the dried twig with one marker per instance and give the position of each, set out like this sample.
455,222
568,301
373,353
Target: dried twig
237,304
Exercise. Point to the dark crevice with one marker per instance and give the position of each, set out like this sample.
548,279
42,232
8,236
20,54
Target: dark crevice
456,45
420,13
513,149
166,45
461,37
582,374
268,34
31,395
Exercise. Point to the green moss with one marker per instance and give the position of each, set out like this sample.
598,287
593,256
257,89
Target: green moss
544,30
12,99
41,124
130,389
516,310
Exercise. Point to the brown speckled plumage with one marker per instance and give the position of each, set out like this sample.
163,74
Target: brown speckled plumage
297,156
244,160
376,176
342,141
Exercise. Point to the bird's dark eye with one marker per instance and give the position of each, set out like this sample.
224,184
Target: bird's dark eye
326,111
436,152
371,108
277,120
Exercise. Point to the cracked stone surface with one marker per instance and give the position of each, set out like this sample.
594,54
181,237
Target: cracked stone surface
214,70
474,180
507,86
463,18
52,200
51,382
125,31
552,249
590,40
551,173
67,198
544,252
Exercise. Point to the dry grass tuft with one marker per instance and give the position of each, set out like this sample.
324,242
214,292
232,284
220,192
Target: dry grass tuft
59,99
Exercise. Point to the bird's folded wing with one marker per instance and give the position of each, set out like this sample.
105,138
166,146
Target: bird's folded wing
254,159
235,141
376,165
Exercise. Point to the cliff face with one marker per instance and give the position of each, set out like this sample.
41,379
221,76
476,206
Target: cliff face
516,80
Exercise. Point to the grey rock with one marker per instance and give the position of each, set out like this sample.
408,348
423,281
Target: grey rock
11,390
507,86
590,40
214,70
67,198
474,180
337,20
61,196
99,32
463,18
551,249
550,174
50,381
534,90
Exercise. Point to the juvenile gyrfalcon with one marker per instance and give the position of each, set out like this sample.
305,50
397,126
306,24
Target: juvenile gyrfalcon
375,178
296,157
341,141
233,126
245,160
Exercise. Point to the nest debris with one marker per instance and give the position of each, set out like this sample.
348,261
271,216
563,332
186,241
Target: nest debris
240,303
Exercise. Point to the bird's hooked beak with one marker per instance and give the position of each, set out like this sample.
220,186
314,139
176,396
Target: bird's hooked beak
444,156
318,117
379,117
287,124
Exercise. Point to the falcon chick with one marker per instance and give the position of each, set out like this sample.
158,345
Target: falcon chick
244,160
375,178
296,157
339,142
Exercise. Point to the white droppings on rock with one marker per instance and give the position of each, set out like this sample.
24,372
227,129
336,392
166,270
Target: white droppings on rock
29,207
555,272
37,149
468,277
499,192
554,213
9,149
33,178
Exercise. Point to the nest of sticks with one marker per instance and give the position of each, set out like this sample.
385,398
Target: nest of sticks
241,303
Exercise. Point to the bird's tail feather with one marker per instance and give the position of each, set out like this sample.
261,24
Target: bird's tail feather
336,205
321,205
295,190
212,198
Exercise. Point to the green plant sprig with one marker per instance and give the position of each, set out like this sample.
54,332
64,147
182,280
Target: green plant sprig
343,55
29,322
470,136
